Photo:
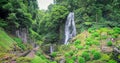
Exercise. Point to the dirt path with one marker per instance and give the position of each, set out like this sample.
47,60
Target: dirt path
31,54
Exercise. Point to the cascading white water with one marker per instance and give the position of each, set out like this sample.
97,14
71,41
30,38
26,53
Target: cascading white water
70,29
51,49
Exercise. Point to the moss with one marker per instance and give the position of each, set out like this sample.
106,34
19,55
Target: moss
6,42
119,56
23,60
111,61
105,57
38,59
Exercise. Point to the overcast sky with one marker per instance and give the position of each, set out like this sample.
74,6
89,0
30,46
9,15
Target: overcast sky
43,4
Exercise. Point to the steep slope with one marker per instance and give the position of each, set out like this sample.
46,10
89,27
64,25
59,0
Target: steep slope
92,46
6,42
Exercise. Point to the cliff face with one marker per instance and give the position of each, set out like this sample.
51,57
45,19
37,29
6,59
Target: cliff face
23,34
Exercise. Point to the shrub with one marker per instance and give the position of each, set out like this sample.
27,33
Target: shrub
111,61
67,55
114,35
95,34
86,56
69,60
89,43
116,30
96,42
92,51
104,37
54,54
81,60
91,30
105,57
79,47
86,46
71,53
74,58
77,42
109,43
97,55
19,43
119,56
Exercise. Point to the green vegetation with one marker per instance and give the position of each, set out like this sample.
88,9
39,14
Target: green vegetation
23,60
97,55
6,42
109,43
37,59
97,23
86,56
81,60
54,54
20,43
111,61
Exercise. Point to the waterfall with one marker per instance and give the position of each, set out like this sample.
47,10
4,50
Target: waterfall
70,29
51,49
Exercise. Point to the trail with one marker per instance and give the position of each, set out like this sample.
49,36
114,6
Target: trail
31,54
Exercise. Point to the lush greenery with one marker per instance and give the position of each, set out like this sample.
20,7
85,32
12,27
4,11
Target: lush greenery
97,24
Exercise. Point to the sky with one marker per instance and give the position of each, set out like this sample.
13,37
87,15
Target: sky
43,4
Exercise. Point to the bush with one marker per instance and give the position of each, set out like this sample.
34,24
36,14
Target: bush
89,43
91,30
109,43
95,34
86,56
86,46
19,43
97,55
54,54
105,57
71,53
116,30
96,43
77,42
79,47
69,60
81,60
74,58
67,55
114,35
111,61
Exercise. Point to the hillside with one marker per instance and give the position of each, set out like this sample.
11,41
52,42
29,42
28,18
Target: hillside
92,46
67,31
6,42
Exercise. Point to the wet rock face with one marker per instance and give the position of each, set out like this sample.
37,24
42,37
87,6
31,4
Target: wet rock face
23,34
116,53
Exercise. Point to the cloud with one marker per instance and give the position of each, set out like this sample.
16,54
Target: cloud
43,4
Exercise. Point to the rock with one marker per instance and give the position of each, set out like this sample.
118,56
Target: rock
106,49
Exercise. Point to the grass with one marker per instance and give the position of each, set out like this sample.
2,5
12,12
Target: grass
6,42
38,59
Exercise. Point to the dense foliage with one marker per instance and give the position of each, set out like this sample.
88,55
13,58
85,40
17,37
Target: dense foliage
97,20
